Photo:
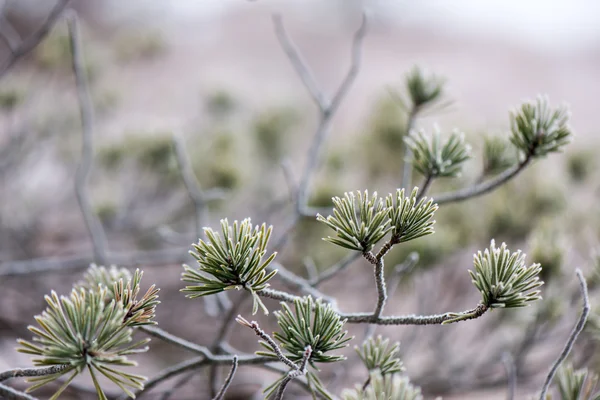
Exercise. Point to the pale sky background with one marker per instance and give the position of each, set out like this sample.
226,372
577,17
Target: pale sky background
542,23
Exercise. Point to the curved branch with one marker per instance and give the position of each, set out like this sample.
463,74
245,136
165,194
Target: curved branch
8,393
483,187
585,311
32,41
86,110
227,382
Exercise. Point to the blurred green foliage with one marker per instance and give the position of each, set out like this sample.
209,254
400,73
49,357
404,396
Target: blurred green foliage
140,45
581,164
382,145
271,132
220,103
10,98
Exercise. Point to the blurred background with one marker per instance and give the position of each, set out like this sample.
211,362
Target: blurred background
213,73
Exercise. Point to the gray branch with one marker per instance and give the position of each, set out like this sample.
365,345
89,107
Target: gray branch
93,224
227,382
483,187
293,374
29,372
8,393
437,319
32,41
585,311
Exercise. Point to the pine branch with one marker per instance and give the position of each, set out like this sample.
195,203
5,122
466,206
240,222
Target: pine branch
438,319
29,372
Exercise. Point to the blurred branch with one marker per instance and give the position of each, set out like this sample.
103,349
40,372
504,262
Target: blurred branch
327,109
93,224
8,393
8,34
149,258
335,269
511,375
32,41
585,311
192,186
407,166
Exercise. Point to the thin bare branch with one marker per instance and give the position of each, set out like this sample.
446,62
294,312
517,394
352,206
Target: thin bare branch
291,375
326,116
227,382
585,311
175,255
32,41
511,375
407,165
202,350
8,34
191,183
86,110
301,67
335,269
8,393
483,187
264,336
188,365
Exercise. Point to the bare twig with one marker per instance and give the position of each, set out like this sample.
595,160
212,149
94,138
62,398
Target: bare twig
299,371
188,365
8,34
227,325
483,187
227,382
407,166
202,350
425,187
302,69
32,41
264,336
182,381
289,178
511,375
86,110
191,183
585,311
327,108
8,393
312,273
175,255
335,269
